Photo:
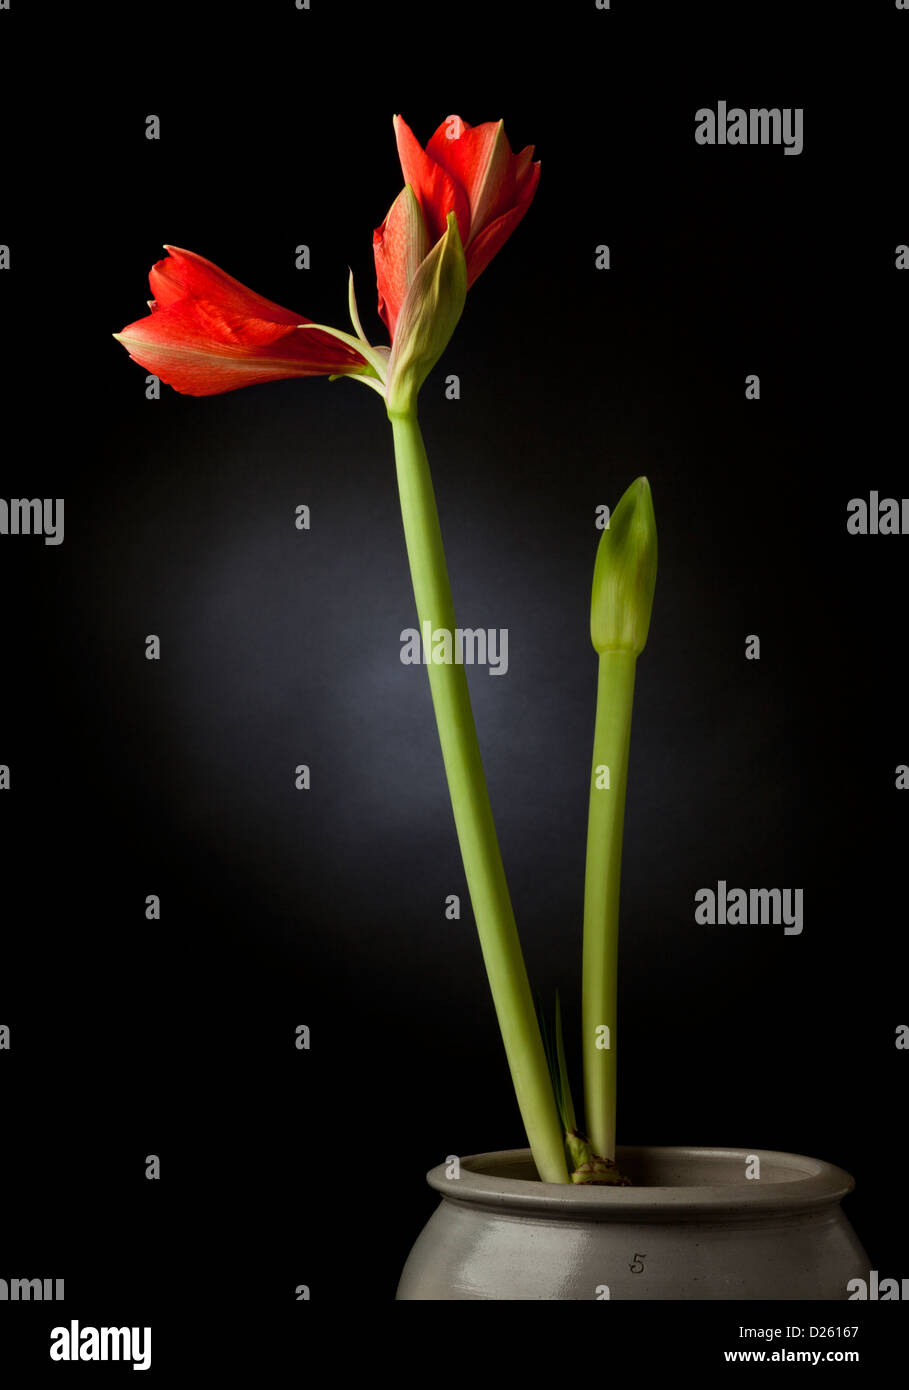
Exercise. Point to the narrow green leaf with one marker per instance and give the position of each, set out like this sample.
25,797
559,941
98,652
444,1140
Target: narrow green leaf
566,1104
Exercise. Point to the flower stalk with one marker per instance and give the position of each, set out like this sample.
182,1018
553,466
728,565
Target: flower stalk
623,585
476,831
605,825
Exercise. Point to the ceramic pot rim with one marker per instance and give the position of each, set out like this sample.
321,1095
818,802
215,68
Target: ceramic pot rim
789,1183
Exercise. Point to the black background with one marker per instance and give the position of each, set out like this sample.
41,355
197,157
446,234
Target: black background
130,777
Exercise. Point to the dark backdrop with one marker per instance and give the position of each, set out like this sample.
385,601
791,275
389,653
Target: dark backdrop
280,647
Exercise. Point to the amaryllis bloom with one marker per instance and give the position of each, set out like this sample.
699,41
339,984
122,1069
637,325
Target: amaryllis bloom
207,333
463,197
468,170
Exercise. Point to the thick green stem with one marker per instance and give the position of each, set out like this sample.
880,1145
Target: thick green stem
473,814
612,736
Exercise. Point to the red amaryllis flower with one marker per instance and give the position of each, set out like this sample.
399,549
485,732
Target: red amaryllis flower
468,170
463,197
207,333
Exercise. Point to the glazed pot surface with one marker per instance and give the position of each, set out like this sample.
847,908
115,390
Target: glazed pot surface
692,1226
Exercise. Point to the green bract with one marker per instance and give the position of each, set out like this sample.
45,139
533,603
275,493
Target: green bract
427,319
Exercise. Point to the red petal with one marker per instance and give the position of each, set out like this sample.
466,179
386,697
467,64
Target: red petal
480,159
202,348
184,273
491,238
438,193
522,166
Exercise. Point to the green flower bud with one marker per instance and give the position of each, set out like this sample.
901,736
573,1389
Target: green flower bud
624,575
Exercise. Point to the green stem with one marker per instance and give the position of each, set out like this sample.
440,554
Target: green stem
473,814
612,736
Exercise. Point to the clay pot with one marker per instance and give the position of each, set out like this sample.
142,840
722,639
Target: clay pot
693,1226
